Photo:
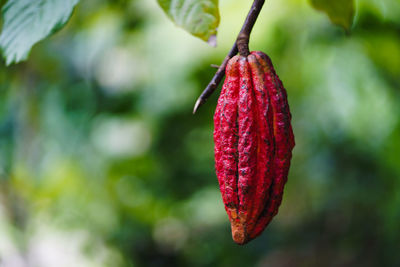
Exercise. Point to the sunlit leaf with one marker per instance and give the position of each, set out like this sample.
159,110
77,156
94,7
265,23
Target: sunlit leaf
199,17
26,22
340,12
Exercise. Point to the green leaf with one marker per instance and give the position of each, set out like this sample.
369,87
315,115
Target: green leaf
340,12
26,22
199,17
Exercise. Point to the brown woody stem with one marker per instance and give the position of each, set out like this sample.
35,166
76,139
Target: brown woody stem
243,43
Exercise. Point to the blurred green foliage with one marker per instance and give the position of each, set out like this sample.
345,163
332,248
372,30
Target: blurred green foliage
27,22
199,17
340,12
103,164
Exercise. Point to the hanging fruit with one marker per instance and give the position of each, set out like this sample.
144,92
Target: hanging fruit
253,143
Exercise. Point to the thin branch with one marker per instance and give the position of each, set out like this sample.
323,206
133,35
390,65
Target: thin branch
215,80
242,40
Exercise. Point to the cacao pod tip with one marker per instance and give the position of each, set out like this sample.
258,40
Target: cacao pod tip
212,41
238,234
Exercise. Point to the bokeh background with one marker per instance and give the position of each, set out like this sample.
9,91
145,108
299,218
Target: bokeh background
103,164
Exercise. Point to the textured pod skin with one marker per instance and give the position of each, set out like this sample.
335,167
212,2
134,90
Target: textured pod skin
253,144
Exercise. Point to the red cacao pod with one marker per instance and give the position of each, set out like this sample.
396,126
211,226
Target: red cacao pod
253,144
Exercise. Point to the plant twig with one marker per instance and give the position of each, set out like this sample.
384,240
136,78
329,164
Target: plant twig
242,41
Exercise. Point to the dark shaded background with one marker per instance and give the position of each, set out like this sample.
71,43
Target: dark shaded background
103,164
